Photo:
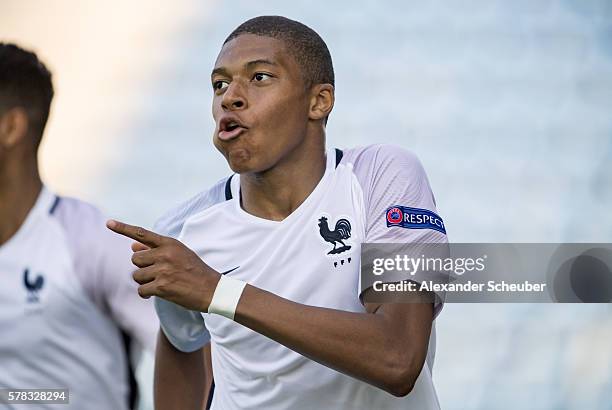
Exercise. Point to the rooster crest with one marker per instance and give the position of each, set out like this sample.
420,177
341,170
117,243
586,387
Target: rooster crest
341,232
32,286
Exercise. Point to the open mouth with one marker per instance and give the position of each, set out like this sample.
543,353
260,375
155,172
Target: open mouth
231,126
230,129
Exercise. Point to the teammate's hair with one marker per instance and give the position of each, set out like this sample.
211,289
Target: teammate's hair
25,82
306,46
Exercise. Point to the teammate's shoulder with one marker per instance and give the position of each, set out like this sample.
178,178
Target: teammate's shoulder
172,221
83,228
73,212
377,155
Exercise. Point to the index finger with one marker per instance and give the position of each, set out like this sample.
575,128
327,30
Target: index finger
137,233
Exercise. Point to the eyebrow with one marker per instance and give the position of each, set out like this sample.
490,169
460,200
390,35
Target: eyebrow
248,65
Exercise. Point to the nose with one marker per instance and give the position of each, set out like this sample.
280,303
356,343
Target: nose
233,97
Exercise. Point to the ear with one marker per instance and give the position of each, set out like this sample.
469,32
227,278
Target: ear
321,101
13,127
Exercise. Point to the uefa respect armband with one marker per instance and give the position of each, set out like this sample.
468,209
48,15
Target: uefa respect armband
414,218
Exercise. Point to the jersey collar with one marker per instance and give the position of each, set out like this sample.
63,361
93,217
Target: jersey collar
330,166
42,207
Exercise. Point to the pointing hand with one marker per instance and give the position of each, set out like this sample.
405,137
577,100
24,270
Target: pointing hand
168,269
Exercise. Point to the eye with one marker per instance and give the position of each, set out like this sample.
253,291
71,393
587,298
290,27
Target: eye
261,76
219,85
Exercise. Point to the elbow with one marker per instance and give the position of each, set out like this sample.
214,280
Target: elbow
401,387
401,375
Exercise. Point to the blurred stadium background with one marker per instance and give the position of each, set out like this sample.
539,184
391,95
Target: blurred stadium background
507,103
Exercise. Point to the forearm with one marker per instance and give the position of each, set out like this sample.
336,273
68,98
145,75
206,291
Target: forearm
367,346
180,381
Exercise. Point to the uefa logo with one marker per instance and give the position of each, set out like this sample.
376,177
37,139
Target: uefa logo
395,215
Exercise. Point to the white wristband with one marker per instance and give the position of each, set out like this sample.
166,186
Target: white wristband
226,297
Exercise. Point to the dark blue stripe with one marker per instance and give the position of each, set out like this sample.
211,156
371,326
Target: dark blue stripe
52,209
228,188
132,397
210,395
339,155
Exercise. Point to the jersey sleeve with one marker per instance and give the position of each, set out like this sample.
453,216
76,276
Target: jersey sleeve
184,328
394,185
103,266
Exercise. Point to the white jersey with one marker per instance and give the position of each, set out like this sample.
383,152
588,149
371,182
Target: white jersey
66,297
311,257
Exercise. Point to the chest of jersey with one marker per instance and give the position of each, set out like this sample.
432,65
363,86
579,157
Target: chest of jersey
48,323
37,286
312,257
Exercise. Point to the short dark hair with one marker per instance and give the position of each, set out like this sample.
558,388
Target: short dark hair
25,82
306,46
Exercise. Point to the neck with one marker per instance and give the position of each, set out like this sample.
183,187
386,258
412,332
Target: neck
20,186
277,192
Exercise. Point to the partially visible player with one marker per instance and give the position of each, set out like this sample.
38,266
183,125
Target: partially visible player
265,270
68,305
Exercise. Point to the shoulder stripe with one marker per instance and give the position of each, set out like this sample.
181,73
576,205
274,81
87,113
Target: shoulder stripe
54,205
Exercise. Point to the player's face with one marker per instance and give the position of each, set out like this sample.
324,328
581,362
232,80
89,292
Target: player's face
260,103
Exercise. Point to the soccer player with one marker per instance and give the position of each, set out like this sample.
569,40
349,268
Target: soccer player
265,271
68,304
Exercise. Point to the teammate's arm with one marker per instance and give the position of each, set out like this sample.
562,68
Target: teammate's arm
386,346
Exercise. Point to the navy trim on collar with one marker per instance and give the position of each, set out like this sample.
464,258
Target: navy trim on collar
228,183
228,188
54,205
339,155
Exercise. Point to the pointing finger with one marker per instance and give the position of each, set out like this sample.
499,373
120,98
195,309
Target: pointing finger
137,233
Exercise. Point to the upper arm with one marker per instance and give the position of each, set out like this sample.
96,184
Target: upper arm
392,177
408,325
179,377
